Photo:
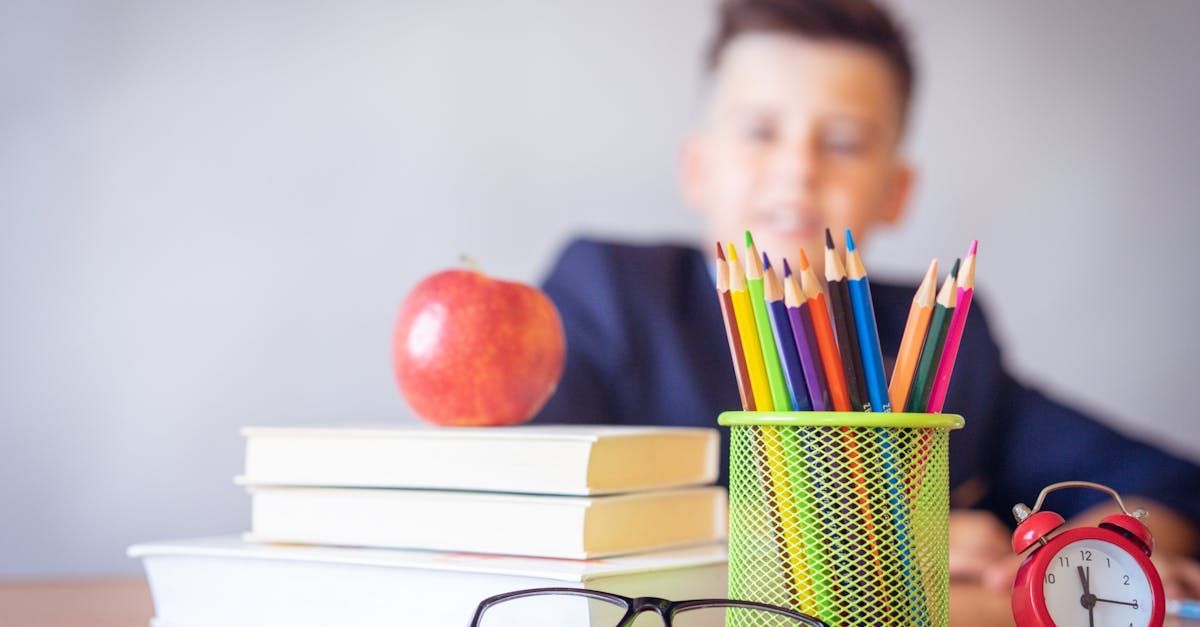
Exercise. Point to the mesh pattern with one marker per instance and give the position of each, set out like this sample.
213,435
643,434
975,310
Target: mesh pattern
849,524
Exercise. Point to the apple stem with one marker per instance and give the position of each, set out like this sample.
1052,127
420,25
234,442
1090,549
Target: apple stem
463,257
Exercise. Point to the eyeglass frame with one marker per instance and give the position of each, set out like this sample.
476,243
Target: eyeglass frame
634,606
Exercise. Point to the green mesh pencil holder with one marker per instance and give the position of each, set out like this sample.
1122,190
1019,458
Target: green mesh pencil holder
844,516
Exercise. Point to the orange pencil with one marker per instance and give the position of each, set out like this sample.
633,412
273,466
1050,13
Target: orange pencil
736,352
826,342
839,394
914,337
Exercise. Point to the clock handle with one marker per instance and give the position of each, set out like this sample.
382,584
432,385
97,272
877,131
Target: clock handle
1035,525
1022,511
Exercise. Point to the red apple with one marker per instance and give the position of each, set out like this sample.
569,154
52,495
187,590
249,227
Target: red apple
473,350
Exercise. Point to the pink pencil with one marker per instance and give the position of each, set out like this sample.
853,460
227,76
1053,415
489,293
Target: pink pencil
966,288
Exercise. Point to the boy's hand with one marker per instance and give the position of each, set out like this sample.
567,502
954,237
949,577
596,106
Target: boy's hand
979,544
1180,575
980,550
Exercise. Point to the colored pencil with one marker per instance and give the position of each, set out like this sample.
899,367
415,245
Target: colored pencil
919,391
768,455
810,359
864,321
965,279
806,340
743,312
954,333
736,353
843,320
766,338
872,356
796,370
831,360
915,330
789,359
931,351
835,379
847,341
772,455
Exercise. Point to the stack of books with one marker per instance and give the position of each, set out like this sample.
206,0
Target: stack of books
388,526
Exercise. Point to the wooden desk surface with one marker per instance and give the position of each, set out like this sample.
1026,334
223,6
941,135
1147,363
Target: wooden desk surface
75,603
126,603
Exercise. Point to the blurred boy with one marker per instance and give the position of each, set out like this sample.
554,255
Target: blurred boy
802,129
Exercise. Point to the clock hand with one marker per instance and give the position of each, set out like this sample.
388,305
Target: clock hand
1088,599
1099,600
1093,598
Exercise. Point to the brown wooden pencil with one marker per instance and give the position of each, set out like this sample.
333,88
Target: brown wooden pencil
736,351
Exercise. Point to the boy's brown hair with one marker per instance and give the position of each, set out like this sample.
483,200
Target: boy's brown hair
859,22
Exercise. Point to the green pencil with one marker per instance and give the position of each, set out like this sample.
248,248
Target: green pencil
766,337
931,351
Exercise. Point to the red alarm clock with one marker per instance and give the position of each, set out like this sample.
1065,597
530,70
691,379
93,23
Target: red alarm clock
1086,576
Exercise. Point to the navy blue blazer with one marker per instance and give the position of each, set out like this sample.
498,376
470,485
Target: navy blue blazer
646,345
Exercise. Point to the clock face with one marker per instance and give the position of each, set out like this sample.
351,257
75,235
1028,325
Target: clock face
1092,582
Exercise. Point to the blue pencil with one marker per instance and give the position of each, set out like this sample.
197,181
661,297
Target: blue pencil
789,360
868,335
1184,608
872,356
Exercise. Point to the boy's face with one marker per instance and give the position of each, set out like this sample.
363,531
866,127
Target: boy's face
799,135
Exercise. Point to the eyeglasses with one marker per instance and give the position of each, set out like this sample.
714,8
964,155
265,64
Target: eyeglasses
573,607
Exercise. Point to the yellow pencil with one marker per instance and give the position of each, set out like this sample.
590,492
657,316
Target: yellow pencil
744,313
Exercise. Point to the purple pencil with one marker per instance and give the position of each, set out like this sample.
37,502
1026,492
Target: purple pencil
806,340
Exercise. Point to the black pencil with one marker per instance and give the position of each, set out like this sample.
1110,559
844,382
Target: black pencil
843,320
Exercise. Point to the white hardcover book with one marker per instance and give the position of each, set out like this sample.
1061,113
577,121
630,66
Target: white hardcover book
567,527
539,459
226,582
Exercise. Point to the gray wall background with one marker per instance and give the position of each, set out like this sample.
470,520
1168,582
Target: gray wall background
209,213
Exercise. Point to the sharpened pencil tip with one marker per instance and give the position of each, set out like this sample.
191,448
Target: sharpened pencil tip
732,253
954,269
849,241
974,247
804,264
787,270
749,239
766,261
828,239
720,253
931,273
